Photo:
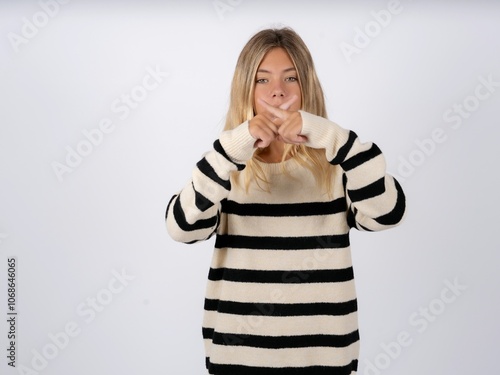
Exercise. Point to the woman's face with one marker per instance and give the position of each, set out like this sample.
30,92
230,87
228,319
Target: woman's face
276,81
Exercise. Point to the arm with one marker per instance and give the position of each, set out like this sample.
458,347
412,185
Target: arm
193,214
375,198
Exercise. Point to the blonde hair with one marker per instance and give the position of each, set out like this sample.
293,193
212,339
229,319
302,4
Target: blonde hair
241,105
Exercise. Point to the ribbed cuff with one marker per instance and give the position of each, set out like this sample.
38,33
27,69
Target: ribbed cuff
323,133
238,143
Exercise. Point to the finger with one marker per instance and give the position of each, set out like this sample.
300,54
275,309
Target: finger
272,122
276,112
289,103
297,140
294,139
264,120
291,129
277,122
265,134
263,130
264,140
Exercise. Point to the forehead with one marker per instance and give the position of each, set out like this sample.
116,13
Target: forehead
276,59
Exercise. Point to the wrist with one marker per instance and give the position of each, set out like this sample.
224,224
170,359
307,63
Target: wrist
323,133
238,143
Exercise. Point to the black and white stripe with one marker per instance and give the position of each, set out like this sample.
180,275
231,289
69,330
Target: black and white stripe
280,295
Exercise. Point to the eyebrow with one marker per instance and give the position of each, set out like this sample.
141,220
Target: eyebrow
284,71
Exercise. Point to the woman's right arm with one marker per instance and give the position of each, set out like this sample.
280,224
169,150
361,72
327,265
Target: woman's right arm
193,214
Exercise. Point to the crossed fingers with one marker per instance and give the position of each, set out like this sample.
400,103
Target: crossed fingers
278,112
289,123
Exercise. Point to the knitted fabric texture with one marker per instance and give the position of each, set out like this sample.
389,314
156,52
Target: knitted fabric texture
280,297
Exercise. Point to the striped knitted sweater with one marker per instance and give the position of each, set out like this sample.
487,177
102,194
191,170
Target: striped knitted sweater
280,297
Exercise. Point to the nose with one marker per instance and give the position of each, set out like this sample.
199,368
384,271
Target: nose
278,91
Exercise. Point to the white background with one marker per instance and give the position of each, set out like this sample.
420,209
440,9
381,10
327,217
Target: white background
107,214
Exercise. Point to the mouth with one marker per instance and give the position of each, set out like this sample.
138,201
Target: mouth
277,104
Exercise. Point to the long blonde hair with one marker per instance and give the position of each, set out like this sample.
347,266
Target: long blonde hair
241,105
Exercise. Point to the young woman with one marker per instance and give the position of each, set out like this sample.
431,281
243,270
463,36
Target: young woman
281,189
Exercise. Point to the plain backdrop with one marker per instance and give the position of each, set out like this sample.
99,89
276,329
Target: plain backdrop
102,289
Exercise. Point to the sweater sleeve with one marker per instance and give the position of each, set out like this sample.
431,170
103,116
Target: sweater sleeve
376,200
193,214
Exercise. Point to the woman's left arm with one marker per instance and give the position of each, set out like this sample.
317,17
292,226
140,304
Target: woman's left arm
375,198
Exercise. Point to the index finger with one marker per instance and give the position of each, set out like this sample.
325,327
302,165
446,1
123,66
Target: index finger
277,112
289,103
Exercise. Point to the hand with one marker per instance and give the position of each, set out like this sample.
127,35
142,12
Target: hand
289,122
263,129
277,124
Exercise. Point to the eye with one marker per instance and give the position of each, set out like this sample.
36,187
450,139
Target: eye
260,80
291,79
